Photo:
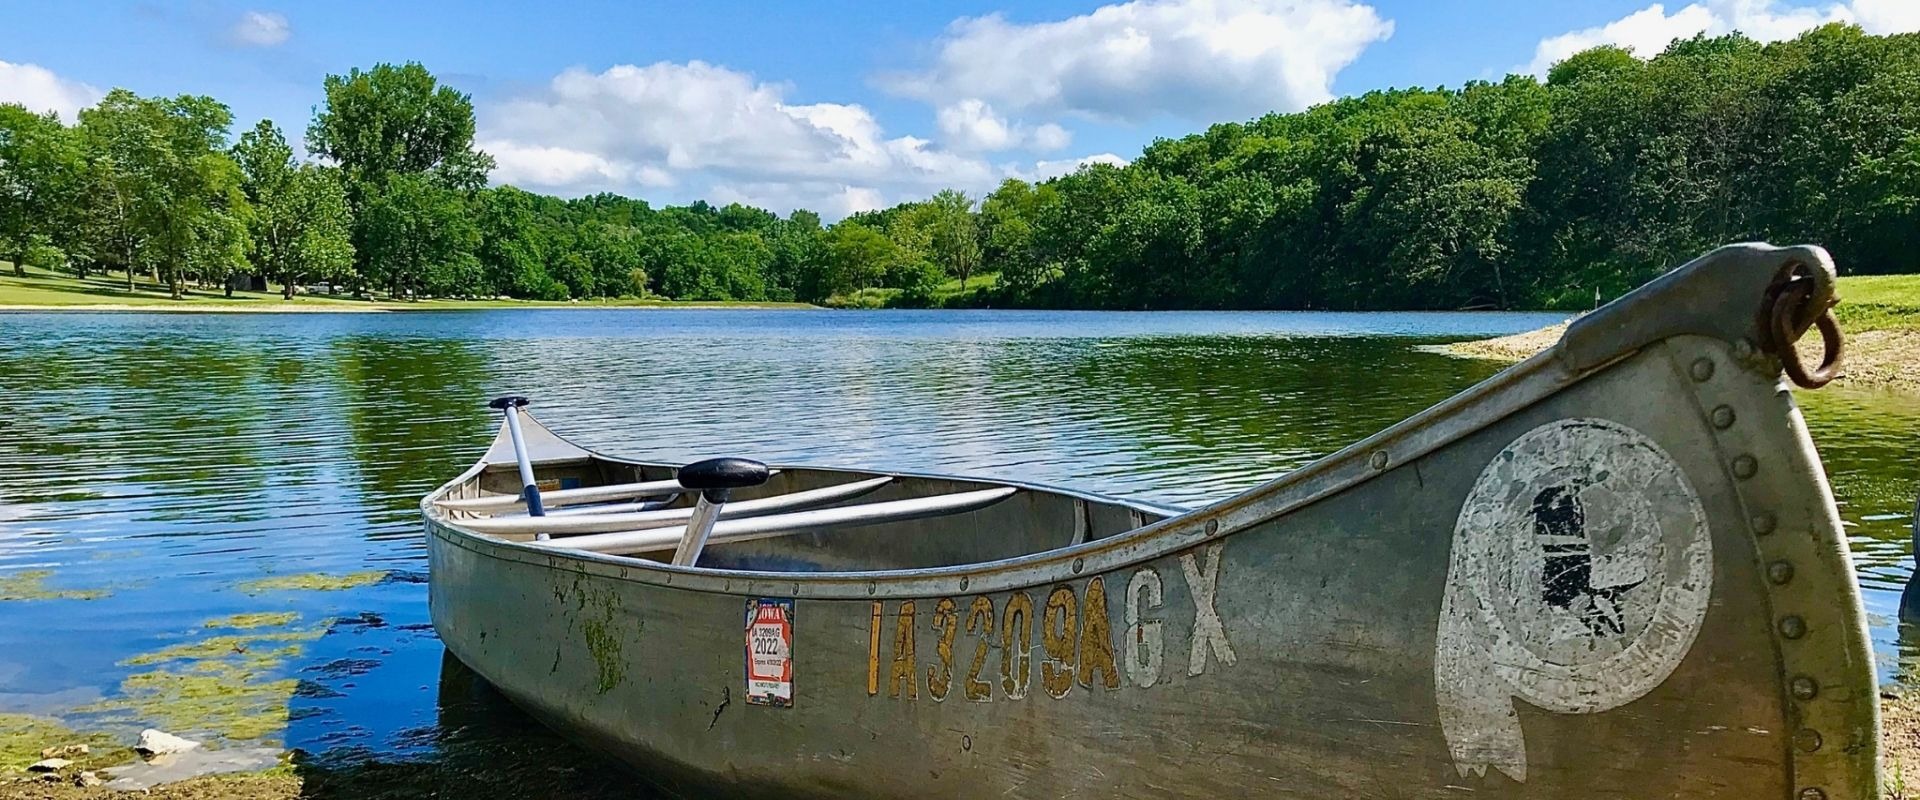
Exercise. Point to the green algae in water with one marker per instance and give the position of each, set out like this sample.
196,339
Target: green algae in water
23,736
245,646
31,585
227,700
222,686
313,582
264,619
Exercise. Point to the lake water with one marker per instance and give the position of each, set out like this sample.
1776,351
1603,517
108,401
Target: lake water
160,474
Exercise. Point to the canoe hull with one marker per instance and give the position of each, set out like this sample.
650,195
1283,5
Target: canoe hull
1627,581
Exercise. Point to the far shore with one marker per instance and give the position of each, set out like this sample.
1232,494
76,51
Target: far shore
378,307
41,291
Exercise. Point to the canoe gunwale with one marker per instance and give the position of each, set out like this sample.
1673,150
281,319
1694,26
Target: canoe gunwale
1459,417
1805,643
1669,306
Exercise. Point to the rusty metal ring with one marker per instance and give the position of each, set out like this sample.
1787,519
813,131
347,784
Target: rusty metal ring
1786,327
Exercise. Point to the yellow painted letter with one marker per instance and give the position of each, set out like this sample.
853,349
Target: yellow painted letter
1096,639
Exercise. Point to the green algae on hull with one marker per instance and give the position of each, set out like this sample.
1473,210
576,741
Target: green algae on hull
31,585
313,582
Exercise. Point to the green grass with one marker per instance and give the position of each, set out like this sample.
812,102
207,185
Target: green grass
947,295
1879,302
44,289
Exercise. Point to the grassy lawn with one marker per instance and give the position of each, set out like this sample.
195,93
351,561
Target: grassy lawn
944,295
41,288
1879,302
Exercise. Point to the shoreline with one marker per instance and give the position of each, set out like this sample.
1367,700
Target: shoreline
1899,752
1873,359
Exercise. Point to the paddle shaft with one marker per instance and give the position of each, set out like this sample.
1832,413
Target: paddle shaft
529,490
706,512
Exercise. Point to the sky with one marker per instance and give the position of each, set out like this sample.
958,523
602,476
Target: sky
838,106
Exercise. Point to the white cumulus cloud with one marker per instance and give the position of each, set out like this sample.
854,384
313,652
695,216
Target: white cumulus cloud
1202,60
1043,170
39,89
973,125
701,130
1648,31
260,29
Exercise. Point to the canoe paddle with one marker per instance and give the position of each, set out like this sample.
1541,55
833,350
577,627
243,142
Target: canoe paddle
530,491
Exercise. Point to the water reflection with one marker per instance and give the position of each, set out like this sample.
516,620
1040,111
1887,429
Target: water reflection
158,464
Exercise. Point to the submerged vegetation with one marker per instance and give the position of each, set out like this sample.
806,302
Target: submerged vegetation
313,582
24,737
227,685
262,619
32,585
1520,193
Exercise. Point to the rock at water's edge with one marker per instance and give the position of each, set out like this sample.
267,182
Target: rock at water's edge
159,743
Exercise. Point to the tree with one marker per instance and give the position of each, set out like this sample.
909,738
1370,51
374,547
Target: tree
390,121
860,256
41,173
403,140
300,226
419,238
173,188
956,234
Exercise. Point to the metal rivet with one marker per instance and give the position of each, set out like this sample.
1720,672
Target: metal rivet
1811,793
1745,467
1077,564
1780,572
1793,627
1807,739
1722,418
1702,369
1378,460
1213,527
1742,349
1804,688
1763,523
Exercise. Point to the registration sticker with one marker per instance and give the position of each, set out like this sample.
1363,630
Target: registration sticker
770,652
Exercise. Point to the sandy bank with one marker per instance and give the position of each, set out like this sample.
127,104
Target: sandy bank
1873,359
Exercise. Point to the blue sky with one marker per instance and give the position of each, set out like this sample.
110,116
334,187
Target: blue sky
838,106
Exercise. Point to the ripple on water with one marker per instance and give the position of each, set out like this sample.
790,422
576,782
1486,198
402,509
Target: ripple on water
179,484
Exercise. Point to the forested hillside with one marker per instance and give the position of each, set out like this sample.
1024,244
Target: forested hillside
1516,194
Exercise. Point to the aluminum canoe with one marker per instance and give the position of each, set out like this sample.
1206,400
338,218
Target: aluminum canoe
1612,570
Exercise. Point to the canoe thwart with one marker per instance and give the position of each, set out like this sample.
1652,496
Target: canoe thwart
672,517
568,497
736,530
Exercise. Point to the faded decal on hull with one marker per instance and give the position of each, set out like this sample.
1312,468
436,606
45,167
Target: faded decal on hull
1073,627
1580,573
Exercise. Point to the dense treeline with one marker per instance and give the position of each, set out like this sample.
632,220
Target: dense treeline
1513,194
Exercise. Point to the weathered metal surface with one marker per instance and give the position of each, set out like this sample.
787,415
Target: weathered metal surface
1615,573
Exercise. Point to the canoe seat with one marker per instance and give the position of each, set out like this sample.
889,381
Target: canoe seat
760,527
